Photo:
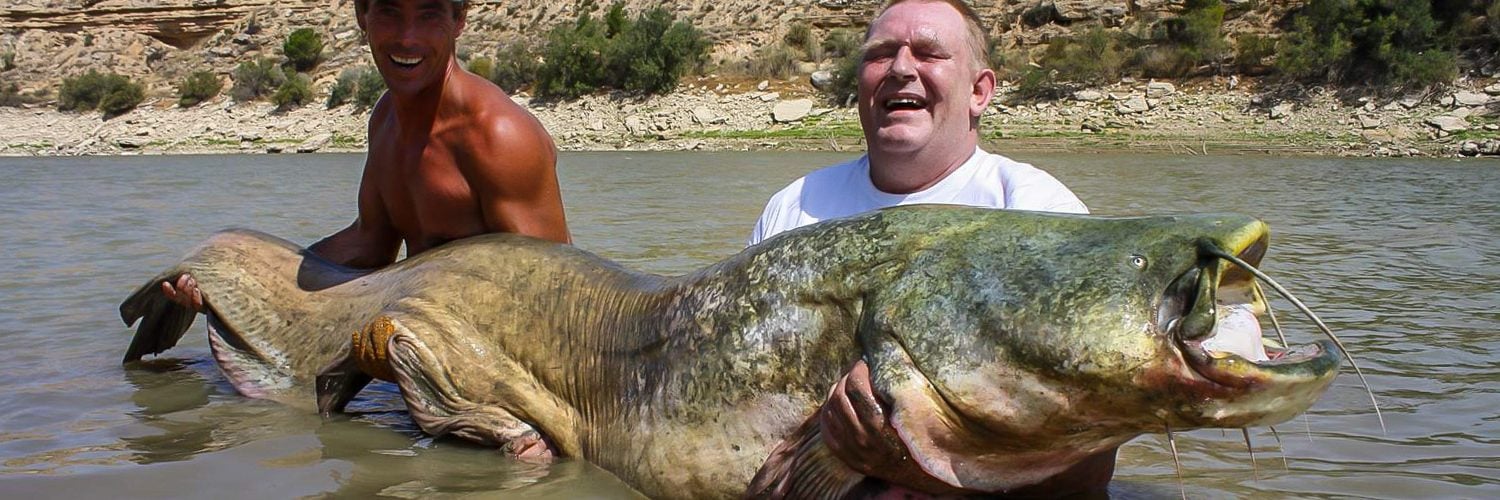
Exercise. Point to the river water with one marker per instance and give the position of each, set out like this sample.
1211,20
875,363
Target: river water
1399,256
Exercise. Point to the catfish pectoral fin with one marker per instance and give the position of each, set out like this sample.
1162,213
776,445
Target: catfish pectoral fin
803,466
338,384
162,322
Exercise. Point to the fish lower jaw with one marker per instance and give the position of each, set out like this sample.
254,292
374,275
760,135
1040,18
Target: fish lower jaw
1282,368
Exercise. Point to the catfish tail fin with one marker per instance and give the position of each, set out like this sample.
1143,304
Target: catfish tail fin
161,321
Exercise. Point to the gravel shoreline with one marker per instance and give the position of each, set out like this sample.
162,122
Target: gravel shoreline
1202,118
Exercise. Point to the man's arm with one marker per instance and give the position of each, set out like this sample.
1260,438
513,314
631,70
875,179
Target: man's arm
371,240
512,167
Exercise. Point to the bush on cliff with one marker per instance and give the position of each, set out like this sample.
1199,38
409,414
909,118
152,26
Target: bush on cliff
303,48
1367,41
369,89
111,93
481,66
255,79
198,87
343,88
516,65
648,54
655,51
295,90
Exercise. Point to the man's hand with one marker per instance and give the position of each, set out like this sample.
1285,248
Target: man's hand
185,293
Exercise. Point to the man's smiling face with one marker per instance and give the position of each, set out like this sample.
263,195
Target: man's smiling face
412,40
918,80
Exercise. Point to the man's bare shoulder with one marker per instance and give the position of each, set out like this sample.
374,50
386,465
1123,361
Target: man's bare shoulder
503,134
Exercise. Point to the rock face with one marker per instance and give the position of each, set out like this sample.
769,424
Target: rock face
161,41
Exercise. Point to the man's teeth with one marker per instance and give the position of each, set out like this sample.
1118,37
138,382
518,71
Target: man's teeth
406,60
903,103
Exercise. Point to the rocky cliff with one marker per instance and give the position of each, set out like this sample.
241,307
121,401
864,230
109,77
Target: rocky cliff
160,42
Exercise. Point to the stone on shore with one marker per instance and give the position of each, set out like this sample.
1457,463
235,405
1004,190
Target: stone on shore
1132,104
1448,123
791,111
315,143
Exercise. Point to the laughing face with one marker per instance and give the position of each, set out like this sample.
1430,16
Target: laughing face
412,40
920,86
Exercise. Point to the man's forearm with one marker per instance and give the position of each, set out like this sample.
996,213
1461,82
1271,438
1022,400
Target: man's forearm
346,248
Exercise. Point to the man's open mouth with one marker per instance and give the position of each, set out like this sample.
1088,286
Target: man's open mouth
406,62
904,103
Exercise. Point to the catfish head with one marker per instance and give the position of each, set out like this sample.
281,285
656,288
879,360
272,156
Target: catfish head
1012,346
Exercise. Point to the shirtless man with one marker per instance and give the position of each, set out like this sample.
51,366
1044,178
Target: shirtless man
450,154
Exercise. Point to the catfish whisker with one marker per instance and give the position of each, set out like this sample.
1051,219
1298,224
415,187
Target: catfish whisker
1219,252
1260,295
1172,442
1285,466
1254,469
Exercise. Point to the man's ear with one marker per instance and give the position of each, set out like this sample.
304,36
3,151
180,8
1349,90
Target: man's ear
983,92
360,7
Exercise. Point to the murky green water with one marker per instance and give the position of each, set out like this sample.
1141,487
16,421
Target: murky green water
1398,256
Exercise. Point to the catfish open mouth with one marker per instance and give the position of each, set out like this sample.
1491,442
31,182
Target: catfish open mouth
1212,312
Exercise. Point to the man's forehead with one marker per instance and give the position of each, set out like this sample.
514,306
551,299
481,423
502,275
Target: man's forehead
420,3
916,19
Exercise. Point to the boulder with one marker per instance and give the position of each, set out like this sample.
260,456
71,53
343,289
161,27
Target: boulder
1158,90
1088,96
791,111
821,80
1448,123
1466,98
1280,111
1133,104
315,143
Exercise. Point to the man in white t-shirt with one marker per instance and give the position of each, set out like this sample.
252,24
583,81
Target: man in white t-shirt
923,84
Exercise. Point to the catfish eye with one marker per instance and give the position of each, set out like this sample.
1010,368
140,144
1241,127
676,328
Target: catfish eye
1138,262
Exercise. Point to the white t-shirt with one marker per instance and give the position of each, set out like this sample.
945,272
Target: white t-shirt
985,180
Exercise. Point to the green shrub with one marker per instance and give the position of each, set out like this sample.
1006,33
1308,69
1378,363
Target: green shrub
1163,61
122,99
295,90
654,52
1375,41
7,61
799,35
1037,84
842,42
1251,52
776,61
845,86
516,65
574,57
1197,32
1092,57
343,88
255,79
303,48
370,86
11,96
647,54
615,20
198,87
481,66
114,94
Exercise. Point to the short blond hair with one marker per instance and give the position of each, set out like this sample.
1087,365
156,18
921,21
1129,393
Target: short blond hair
979,42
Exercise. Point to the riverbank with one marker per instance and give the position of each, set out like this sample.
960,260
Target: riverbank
1213,117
